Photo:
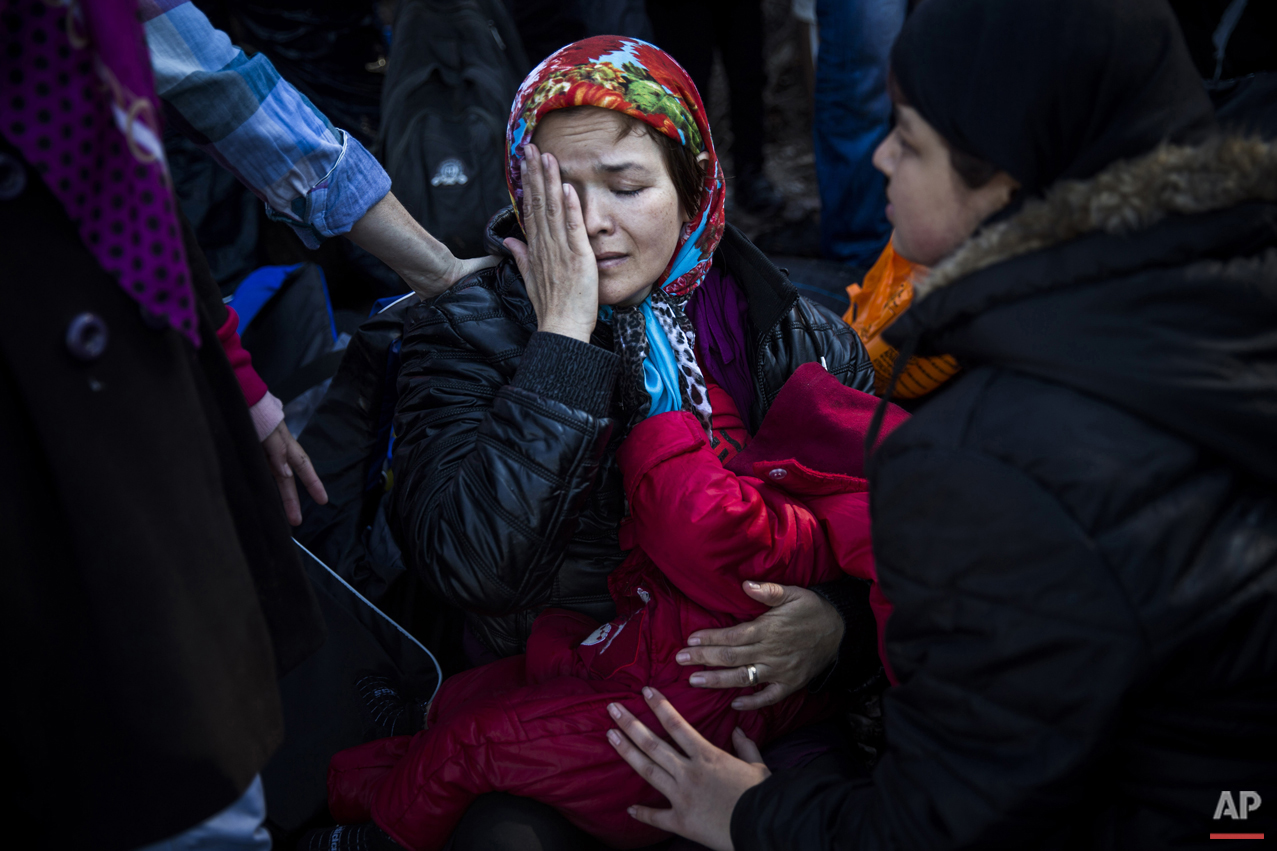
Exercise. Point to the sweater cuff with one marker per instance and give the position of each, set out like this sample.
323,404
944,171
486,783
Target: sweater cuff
576,374
857,664
250,383
267,414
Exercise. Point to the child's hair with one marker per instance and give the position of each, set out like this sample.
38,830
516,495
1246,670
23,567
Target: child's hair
974,171
687,174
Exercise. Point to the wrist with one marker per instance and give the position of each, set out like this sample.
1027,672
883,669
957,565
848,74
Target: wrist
266,415
577,330
428,280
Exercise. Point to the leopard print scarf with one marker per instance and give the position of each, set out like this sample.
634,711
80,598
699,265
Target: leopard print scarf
631,336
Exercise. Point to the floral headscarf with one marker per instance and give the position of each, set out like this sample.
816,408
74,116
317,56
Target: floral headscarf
638,79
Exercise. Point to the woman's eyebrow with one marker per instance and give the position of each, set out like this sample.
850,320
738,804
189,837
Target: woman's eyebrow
616,168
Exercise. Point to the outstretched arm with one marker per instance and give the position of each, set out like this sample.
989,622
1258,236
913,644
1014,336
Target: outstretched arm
311,175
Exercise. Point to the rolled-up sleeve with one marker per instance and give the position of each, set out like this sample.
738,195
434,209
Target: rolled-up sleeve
311,175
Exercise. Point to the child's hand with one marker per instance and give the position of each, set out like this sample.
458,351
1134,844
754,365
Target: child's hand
285,456
702,782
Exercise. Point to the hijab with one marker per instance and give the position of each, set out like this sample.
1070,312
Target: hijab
80,105
1051,90
655,339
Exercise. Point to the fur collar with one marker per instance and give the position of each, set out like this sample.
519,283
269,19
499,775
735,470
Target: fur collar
1129,195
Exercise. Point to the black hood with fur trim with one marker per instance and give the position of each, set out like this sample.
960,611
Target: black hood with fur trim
1152,285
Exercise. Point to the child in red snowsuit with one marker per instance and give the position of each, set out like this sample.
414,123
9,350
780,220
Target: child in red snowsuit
791,507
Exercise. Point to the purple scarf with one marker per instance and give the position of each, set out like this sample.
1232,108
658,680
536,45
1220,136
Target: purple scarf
720,315
79,103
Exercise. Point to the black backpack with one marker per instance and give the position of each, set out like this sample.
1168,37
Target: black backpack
454,68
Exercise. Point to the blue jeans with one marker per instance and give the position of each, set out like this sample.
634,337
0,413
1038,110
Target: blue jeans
239,827
853,115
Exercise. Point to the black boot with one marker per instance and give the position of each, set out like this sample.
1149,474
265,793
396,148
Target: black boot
387,709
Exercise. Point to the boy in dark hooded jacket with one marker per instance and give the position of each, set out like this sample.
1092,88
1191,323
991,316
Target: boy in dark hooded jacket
1079,536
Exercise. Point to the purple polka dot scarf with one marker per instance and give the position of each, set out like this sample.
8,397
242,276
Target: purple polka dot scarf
79,103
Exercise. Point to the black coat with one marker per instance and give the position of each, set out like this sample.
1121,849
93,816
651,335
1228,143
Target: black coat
507,496
1080,535
152,593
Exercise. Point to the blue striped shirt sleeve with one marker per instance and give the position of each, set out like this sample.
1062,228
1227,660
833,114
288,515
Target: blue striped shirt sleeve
311,174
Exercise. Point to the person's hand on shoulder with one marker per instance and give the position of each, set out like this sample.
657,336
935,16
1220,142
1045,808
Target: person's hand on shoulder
392,235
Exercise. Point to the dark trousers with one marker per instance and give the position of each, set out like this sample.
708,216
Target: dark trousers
689,30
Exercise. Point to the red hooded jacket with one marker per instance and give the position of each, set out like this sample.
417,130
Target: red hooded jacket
791,507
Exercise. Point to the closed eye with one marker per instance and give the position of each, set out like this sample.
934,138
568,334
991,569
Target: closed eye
627,193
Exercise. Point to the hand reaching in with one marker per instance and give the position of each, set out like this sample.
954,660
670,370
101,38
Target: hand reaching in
702,783
285,456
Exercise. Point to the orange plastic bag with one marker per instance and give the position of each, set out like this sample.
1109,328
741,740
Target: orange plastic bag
887,292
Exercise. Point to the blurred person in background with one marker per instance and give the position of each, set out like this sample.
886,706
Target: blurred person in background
690,31
852,116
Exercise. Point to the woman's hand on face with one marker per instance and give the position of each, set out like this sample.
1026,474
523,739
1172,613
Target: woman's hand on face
789,645
702,783
557,263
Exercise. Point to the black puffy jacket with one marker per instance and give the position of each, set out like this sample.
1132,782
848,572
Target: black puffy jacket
507,496
1080,535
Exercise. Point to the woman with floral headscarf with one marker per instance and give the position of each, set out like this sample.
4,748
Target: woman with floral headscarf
630,309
